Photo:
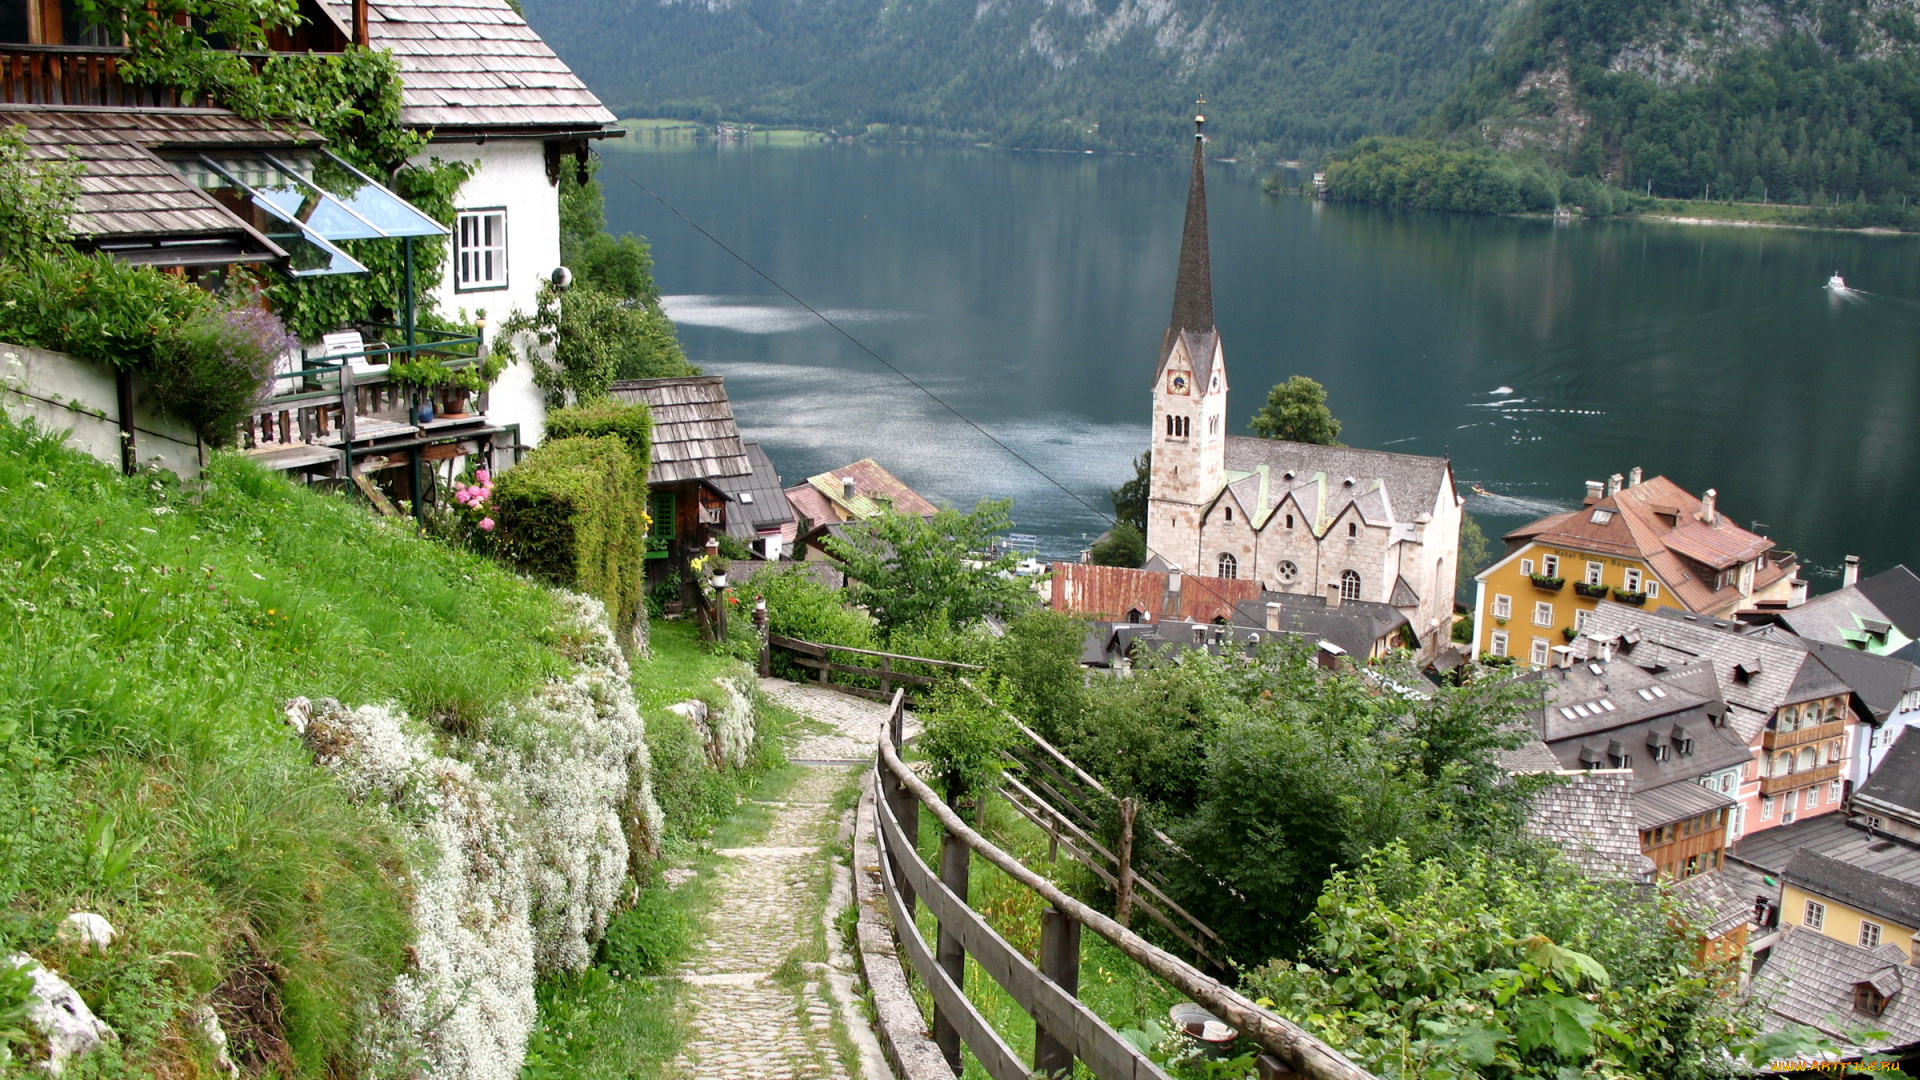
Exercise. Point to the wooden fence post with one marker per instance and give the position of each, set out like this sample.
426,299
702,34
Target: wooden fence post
1060,962
760,622
1123,889
948,952
886,668
906,808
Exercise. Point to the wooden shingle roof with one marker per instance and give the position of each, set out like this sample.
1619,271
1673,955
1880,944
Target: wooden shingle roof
127,191
694,433
476,64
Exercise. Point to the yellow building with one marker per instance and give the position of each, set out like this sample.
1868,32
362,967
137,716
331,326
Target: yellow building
1647,543
1805,903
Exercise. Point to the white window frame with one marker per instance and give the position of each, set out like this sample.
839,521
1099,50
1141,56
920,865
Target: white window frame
474,257
1833,792
1871,934
1766,808
1542,613
1580,620
1596,573
1815,915
1502,606
1497,643
1633,579
1538,655
1526,567
1550,565
1350,585
1653,588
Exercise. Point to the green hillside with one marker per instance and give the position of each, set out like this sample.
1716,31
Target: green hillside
1789,101
1290,78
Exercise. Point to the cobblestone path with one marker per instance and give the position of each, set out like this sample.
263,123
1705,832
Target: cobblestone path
759,999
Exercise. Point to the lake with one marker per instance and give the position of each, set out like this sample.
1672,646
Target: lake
1030,291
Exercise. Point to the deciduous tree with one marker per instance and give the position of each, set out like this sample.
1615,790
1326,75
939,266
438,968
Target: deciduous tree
1296,411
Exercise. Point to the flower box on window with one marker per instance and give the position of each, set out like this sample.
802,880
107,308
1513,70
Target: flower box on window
1637,599
1548,584
1591,592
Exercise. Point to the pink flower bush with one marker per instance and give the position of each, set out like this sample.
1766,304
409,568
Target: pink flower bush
486,524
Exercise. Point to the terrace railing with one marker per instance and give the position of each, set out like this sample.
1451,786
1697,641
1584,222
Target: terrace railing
819,657
81,75
1065,1028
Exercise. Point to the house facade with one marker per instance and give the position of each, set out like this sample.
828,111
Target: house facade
488,92
1797,718
1348,524
1644,543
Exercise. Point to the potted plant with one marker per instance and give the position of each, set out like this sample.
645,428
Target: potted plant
1637,599
1591,592
1569,633
1548,584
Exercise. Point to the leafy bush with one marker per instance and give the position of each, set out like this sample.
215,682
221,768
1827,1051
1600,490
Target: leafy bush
1504,968
964,739
929,572
212,372
35,197
1123,545
574,512
586,338
631,424
648,937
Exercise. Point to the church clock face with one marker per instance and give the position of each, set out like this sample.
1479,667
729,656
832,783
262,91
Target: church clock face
1177,383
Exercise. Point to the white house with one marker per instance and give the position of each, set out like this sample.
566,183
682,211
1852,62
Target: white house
488,90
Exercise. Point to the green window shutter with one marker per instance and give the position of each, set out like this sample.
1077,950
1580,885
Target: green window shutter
660,535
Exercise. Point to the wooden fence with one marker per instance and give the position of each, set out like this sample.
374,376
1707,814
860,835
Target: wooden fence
1065,1028
817,657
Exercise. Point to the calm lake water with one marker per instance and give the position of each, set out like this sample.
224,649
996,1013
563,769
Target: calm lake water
1030,292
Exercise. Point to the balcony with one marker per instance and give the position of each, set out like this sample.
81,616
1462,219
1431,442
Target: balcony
1779,785
76,75
1780,740
338,416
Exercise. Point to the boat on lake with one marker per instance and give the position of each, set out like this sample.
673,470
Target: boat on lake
1838,283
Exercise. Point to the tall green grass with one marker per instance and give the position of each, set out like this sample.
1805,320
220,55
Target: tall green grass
149,635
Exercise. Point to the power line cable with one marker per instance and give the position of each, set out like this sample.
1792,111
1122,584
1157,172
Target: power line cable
861,345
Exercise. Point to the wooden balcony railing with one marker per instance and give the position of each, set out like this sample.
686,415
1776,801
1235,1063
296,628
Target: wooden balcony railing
1793,781
1780,740
74,75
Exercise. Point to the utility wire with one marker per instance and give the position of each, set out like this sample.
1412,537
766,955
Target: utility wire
857,343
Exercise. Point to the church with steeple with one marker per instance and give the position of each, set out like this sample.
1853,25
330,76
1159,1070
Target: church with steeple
1334,522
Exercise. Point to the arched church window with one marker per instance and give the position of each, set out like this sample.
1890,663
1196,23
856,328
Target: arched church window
1349,585
1229,513
1287,572
1229,566
1353,528
1289,521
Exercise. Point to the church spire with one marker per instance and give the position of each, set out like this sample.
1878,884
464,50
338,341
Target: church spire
1193,292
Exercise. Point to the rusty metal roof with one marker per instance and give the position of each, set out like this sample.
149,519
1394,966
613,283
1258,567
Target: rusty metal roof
1111,592
694,433
476,64
127,191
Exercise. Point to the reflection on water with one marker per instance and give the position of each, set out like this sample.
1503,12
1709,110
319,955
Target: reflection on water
1030,291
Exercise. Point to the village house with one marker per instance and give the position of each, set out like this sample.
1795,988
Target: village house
1889,802
1810,979
1879,615
700,465
758,513
1645,543
826,502
1839,877
1668,733
1795,715
1356,525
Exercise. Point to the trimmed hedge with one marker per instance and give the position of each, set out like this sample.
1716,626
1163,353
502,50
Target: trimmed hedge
631,424
574,513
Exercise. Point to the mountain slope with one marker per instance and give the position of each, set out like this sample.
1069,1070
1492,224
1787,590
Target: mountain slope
1802,101
1289,77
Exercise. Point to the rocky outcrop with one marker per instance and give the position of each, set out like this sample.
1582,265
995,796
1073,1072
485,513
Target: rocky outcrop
56,1012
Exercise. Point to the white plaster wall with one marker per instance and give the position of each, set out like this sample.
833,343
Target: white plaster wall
513,174
65,393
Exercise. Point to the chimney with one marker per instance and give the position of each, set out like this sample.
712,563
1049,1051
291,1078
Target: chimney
846,488
1173,579
1633,477
1170,607
1273,615
1595,489
1613,485
1851,575
1333,594
1708,512
1566,655
362,36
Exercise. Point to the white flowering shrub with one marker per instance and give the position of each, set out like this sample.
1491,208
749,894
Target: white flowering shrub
732,726
524,829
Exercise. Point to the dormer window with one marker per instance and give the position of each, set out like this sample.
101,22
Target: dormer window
1868,1000
1601,517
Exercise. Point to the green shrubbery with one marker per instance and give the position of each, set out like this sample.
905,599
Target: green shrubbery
146,771
574,513
631,424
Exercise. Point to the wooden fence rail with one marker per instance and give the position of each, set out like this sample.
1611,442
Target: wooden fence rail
816,656
1066,1029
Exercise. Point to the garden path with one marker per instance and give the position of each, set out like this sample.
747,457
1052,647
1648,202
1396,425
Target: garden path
760,1001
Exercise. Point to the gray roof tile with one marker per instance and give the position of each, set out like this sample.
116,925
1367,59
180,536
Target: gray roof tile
1810,978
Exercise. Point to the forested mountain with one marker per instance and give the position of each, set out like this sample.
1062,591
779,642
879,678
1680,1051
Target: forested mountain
1805,101
1283,77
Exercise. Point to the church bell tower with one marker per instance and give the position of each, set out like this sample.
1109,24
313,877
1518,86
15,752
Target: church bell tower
1189,393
